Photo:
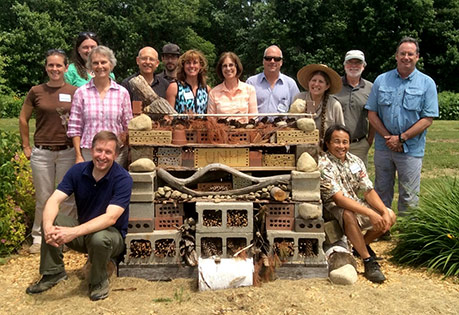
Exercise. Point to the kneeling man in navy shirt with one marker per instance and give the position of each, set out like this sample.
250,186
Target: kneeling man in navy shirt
102,190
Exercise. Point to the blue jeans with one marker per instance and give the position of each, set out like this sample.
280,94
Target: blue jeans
408,169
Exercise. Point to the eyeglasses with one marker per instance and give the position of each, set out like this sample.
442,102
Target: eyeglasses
87,34
269,58
145,58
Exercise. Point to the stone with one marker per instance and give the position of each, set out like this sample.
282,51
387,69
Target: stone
298,106
306,163
161,191
333,231
141,122
167,188
176,194
142,165
168,194
306,124
345,275
309,211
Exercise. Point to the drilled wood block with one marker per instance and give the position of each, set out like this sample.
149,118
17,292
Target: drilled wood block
295,136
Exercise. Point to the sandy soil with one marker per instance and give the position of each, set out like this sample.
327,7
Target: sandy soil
407,291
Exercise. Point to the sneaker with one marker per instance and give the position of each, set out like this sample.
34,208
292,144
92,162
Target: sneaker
373,271
98,291
46,282
35,248
370,251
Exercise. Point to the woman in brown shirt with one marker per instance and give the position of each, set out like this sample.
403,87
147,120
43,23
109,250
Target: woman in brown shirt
52,154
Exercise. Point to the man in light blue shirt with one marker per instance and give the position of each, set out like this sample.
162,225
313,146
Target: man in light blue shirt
401,106
275,91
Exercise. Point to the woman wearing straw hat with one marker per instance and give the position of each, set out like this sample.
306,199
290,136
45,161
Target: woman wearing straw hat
320,81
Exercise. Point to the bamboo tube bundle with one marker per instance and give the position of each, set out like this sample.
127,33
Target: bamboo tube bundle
153,103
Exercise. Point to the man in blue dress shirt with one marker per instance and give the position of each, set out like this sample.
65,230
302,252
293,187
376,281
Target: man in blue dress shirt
275,91
401,106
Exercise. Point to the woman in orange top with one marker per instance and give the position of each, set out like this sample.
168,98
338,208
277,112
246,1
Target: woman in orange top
232,96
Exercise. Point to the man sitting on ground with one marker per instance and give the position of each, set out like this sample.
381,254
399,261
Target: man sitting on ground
102,190
343,176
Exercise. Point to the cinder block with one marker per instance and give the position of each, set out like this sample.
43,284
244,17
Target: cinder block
308,210
306,186
142,197
142,210
140,225
333,231
226,244
302,225
153,240
144,177
301,254
225,214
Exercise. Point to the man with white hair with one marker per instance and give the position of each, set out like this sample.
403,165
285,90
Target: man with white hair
275,91
353,97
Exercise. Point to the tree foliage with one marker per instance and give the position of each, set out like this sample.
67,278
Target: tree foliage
308,31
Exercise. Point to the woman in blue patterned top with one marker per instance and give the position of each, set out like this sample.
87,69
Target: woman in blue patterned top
190,92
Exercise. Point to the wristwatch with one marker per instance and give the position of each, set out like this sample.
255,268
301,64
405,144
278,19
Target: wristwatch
401,139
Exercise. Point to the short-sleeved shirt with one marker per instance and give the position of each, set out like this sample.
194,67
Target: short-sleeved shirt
92,198
277,99
353,100
52,108
400,103
163,75
72,77
242,101
350,177
186,101
89,114
159,85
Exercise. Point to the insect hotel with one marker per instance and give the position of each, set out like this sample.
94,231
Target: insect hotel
218,189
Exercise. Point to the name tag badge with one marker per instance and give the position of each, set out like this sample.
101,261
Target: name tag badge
355,168
64,97
189,95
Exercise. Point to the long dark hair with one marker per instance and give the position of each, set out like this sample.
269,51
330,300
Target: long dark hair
80,64
329,132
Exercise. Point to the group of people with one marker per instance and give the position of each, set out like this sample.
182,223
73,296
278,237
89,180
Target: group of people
81,127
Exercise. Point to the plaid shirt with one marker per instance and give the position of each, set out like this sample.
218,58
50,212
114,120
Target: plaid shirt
350,177
89,114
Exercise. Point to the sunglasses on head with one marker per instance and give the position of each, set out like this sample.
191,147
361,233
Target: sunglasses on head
269,58
55,51
87,34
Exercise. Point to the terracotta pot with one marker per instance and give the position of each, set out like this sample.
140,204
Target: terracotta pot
179,136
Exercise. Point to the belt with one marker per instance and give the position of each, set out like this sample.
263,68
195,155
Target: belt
54,147
357,139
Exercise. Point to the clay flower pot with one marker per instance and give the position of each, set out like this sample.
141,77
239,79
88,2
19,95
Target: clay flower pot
179,136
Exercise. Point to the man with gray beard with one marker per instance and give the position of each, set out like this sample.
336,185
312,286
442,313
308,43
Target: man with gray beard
353,97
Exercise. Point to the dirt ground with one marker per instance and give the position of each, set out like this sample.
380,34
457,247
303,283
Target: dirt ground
407,291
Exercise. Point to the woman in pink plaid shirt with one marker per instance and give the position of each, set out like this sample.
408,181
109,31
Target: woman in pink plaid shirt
101,104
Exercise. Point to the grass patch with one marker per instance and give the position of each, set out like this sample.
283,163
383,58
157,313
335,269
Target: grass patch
429,234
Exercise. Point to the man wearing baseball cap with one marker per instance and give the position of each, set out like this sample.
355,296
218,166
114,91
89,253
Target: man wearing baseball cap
353,97
169,56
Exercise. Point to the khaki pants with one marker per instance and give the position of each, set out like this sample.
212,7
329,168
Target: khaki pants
360,148
100,246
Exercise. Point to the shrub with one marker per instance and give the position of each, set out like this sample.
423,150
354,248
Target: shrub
429,234
10,105
17,204
448,103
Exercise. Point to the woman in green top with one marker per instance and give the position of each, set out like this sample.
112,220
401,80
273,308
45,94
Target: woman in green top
77,73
